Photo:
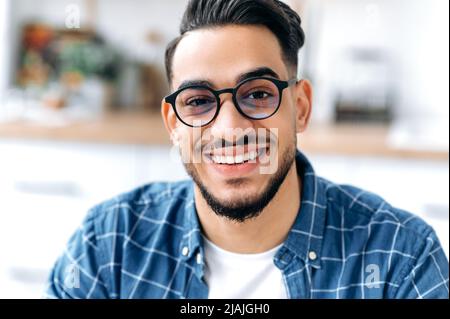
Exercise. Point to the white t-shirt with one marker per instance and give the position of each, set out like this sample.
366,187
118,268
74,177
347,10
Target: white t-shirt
242,276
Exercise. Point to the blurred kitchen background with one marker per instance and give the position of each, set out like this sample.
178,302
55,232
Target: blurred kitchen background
80,90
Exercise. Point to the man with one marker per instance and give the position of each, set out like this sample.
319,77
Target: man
255,221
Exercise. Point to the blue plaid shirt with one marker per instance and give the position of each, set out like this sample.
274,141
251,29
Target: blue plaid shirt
345,243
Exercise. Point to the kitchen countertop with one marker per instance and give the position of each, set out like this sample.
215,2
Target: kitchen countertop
148,129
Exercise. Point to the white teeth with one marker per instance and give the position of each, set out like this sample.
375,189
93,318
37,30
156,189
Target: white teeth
238,159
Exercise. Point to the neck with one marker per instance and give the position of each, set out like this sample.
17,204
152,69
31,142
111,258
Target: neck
259,234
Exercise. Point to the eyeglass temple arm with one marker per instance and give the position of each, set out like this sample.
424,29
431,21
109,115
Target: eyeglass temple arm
293,81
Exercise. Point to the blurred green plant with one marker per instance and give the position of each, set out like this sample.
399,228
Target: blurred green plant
89,59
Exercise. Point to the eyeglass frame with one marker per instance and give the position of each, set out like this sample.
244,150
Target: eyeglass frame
280,84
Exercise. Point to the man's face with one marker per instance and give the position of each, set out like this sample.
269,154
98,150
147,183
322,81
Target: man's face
221,56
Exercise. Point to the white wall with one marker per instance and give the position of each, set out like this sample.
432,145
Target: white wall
414,33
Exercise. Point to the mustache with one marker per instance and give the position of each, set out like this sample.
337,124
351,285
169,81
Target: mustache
247,139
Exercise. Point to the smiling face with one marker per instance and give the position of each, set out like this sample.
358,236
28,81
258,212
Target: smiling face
237,175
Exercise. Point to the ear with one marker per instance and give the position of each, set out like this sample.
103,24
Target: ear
169,118
303,103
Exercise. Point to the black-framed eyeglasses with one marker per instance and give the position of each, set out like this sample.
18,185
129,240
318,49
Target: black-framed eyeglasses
255,98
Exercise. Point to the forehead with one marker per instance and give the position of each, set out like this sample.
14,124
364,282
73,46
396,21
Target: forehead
219,54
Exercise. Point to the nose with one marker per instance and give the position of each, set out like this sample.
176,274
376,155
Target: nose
229,117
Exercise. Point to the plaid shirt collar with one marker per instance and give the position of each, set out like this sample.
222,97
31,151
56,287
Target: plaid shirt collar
305,237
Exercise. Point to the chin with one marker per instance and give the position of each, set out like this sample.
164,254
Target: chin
245,186
236,192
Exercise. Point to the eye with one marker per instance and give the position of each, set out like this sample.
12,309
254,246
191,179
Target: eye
258,95
199,101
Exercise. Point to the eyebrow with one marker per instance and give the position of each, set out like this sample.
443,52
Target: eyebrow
260,71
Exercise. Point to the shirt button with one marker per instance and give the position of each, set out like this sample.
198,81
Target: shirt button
312,255
199,259
185,251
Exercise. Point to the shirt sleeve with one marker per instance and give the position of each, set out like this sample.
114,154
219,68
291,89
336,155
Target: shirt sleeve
77,274
428,276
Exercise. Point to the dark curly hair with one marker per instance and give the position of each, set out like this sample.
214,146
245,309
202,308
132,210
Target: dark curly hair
278,17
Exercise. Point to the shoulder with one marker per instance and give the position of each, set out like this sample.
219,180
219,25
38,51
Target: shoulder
364,208
154,203
374,228
364,230
119,235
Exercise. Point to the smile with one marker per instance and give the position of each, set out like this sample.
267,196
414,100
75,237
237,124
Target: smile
240,156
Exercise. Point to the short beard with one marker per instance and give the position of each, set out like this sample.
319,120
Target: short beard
250,207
